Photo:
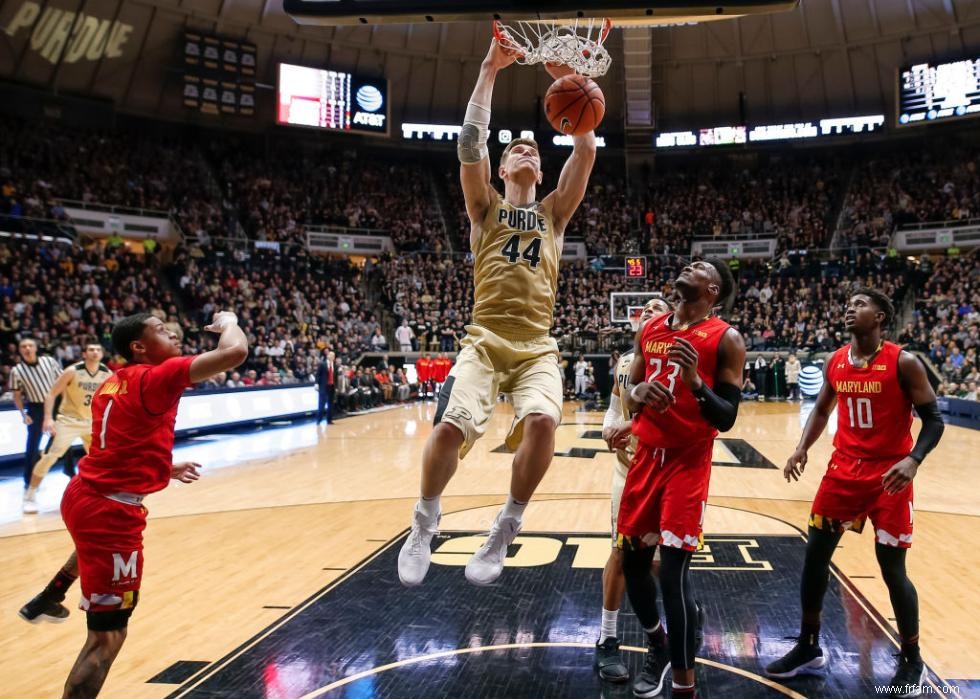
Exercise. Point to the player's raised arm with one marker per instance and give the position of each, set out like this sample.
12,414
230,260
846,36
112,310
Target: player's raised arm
474,158
231,351
574,177
56,390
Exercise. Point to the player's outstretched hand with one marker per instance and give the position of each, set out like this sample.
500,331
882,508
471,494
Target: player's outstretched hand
220,320
683,354
502,53
899,477
617,437
654,394
795,465
185,471
48,427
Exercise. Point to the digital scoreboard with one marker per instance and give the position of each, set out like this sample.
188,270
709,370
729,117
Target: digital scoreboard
636,267
331,99
940,92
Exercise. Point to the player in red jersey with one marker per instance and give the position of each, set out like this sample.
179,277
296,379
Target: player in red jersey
686,380
133,416
870,474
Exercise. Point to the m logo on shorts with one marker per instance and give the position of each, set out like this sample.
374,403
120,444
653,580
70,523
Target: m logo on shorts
124,569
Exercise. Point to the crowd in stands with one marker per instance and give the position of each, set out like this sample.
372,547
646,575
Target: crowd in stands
946,324
43,162
295,306
800,306
283,186
792,200
60,295
914,184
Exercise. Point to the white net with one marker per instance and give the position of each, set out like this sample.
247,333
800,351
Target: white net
578,45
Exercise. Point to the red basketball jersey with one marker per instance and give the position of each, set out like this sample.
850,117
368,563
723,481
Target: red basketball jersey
133,416
423,367
874,414
682,423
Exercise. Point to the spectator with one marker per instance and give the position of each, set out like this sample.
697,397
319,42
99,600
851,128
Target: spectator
793,377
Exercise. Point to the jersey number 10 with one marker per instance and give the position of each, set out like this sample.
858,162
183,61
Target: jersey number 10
859,410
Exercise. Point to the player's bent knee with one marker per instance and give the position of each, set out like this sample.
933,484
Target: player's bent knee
449,434
539,423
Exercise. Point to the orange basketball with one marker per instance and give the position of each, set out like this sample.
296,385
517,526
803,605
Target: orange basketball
574,105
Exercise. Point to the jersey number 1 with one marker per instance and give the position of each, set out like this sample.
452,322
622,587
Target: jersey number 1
860,409
532,253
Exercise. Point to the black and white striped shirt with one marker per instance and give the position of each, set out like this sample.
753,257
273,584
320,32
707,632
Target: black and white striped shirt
35,380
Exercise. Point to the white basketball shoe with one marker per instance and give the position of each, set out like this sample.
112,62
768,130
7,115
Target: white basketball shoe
487,564
416,552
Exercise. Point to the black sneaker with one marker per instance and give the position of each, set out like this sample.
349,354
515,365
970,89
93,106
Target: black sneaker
908,678
43,609
699,629
799,660
650,683
609,661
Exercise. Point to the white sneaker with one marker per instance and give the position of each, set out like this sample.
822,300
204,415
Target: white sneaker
487,564
416,553
30,505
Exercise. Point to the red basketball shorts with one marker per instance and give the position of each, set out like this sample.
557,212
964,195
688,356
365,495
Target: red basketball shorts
108,539
664,497
851,492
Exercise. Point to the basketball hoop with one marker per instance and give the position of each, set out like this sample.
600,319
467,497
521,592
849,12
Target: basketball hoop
577,44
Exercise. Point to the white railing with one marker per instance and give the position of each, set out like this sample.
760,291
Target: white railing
938,236
762,247
347,241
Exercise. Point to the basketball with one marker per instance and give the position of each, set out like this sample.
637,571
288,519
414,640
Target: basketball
574,105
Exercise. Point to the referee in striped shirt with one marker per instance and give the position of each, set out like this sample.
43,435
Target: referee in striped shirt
32,378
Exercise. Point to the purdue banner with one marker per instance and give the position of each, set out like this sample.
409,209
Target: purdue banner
219,75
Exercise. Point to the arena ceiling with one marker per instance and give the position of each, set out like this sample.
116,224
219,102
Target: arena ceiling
826,58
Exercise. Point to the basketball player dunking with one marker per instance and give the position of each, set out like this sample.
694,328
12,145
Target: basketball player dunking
516,241
133,416
76,386
685,385
870,475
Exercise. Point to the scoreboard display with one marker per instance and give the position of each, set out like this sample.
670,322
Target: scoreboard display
636,267
939,92
331,99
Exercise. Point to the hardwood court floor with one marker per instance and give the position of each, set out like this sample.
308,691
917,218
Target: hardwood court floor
288,511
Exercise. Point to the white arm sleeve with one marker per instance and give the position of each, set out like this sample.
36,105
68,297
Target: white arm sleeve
471,146
614,414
